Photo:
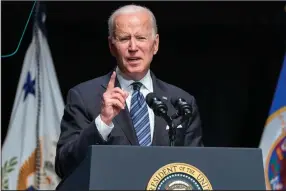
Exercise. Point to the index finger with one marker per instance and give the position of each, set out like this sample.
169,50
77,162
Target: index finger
111,82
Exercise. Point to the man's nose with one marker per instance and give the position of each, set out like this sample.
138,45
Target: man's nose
132,45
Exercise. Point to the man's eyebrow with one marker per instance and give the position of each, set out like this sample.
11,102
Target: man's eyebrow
121,33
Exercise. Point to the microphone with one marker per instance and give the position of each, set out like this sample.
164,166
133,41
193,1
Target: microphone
159,107
181,106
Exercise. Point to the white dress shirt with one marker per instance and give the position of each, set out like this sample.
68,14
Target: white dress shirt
125,84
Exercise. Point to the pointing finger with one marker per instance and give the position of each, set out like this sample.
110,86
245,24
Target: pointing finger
111,82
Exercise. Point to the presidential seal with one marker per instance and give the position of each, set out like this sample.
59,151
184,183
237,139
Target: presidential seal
179,176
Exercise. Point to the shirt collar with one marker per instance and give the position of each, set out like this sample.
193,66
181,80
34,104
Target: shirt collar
126,83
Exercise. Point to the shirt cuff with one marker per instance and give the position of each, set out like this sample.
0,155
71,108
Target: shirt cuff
102,128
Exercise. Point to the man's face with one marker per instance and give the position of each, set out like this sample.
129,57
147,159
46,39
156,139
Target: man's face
134,43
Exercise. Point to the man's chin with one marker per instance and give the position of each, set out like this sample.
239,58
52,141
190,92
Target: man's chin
135,68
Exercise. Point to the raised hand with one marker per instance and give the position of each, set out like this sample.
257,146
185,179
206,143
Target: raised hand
113,101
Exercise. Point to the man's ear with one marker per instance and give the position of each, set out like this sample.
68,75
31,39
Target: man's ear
111,46
156,44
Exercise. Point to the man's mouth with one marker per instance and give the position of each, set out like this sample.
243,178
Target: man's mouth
133,59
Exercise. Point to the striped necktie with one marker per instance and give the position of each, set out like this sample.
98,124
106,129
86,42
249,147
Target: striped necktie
140,116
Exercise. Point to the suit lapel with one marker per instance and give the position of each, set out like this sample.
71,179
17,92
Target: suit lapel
123,119
160,136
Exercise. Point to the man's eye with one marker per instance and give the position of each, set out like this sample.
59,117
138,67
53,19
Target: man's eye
123,38
141,38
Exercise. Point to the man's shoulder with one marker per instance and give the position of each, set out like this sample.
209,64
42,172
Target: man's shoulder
173,90
92,84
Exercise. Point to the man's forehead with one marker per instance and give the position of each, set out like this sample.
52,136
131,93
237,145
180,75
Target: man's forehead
132,19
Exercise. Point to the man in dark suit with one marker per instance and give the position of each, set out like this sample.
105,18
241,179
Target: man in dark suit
111,109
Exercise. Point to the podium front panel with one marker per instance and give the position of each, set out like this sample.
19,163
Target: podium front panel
133,167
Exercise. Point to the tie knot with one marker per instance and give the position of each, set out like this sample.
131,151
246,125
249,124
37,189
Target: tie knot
136,86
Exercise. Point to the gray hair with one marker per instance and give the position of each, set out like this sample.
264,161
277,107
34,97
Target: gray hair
130,9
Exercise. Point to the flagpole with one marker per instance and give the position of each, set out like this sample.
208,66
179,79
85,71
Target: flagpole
38,17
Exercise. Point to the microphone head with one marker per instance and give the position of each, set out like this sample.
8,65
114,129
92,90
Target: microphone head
156,104
150,99
178,101
181,105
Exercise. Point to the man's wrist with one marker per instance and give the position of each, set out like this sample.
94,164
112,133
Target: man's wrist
103,128
107,121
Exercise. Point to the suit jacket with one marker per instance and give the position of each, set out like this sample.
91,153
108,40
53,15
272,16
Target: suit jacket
78,129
